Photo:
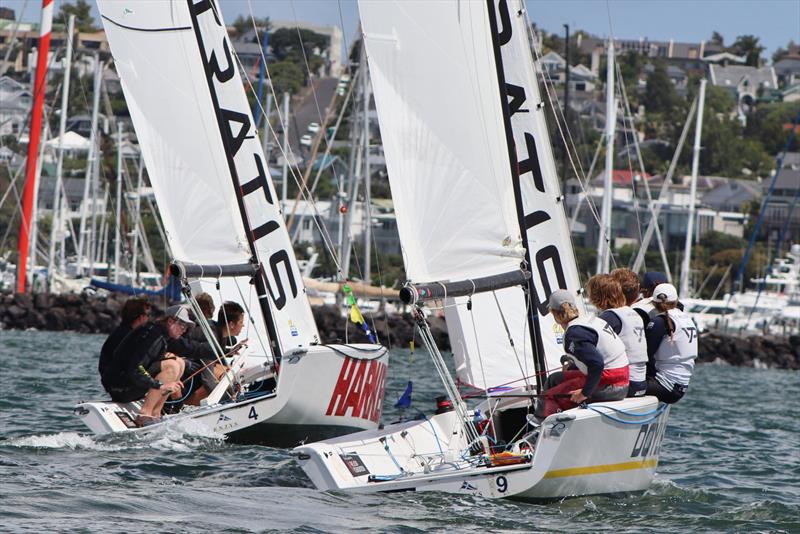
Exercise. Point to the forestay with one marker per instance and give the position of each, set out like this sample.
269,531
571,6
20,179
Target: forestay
436,83
186,99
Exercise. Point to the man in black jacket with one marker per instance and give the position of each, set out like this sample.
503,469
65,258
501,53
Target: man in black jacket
135,313
145,366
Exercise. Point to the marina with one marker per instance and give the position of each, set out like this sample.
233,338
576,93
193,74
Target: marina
306,270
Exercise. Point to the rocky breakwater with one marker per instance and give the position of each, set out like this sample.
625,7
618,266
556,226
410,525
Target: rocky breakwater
393,330
75,312
751,351
93,314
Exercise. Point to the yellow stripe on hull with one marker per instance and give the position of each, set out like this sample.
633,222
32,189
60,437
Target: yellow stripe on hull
605,468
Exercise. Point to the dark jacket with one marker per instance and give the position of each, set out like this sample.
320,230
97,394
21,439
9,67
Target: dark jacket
110,345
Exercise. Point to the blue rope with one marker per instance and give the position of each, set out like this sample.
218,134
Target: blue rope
632,414
389,452
188,392
657,412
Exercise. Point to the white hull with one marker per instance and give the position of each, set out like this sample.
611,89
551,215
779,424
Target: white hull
314,385
578,452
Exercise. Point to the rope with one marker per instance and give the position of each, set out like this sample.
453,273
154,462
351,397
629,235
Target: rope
655,414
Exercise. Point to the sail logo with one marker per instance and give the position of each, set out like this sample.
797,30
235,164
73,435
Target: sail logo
254,192
542,224
359,390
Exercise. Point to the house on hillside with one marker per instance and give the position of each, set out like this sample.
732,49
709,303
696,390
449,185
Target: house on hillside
783,205
15,105
788,67
742,81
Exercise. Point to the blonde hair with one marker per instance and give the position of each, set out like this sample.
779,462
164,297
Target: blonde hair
605,292
566,313
629,283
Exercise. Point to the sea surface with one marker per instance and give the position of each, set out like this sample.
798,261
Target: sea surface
730,463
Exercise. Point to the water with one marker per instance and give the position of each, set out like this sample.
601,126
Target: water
730,462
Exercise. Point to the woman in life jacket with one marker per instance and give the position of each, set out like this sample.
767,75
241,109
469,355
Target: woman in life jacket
625,321
671,346
596,351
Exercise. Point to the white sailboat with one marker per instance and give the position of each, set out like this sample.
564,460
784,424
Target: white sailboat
482,224
224,225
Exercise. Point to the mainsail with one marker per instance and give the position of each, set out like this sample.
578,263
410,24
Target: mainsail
191,115
460,201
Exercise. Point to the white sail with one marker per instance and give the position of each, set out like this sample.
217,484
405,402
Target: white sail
549,245
451,175
186,99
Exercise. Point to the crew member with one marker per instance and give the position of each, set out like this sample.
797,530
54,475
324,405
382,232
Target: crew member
206,304
143,367
135,312
644,306
598,354
672,343
628,325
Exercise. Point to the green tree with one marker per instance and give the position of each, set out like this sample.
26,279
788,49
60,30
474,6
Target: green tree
717,39
84,21
287,76
748,46
659,95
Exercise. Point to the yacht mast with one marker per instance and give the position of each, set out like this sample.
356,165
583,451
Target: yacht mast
30,192
687,251
57,221
367,183
284,180
118,211
604,239
93,156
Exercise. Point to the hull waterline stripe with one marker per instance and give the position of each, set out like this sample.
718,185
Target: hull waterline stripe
605,468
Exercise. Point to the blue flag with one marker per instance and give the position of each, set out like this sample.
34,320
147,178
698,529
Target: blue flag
405,399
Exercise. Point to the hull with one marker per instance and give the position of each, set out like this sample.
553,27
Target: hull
582,451
313,386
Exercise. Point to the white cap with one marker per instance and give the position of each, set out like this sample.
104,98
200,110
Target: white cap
559,297
180,313
665,293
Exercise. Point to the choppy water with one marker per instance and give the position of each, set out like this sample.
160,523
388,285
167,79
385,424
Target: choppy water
730,462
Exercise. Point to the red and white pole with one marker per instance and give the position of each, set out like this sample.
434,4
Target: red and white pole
29,192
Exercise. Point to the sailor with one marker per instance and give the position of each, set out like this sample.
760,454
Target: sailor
644,306
671,345
206,304
229,324
598,354
142,366
135,312
628,325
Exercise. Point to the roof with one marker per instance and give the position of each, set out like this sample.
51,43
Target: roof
733,75
787,64
725,56
787,179
552,57
731,193
622,177
72,141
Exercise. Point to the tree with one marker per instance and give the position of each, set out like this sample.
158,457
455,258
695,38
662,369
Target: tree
244,24
660,95
717,39
286,76
84,21
748,46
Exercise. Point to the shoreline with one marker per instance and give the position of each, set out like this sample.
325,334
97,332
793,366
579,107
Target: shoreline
100,315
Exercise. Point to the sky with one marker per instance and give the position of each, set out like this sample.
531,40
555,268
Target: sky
774,22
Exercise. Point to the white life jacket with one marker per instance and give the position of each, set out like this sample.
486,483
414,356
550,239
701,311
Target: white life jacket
632,335
647,305
674,358
609,345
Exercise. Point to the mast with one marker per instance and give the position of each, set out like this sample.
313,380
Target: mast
687,250
92,156
137,220
57,224
267,134
604,239
367,184
35,131
118,214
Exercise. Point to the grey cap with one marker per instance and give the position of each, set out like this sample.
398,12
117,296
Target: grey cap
559,297
179,312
